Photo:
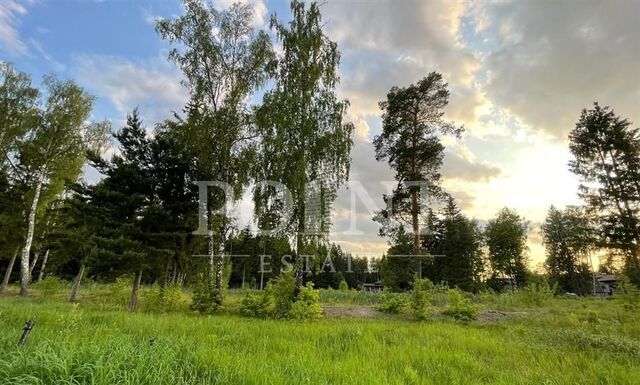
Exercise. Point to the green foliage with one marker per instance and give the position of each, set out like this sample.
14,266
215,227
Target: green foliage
628,294
256,306
394,303
51,285
606,152
536,294
307,305
460,307
205,298
506,238
343,286
410,142
568,235
120,290
163,299
93,346
421,298
279,301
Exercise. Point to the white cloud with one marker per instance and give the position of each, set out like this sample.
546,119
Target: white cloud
153,86
548,60
10,13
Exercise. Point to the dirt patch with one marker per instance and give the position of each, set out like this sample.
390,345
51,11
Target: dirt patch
350,311
490,316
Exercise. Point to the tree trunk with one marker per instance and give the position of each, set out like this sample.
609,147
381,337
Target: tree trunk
76,284
133,301
7,274
24,260
33,266
212,256
220,271
43,266
174,275
415,224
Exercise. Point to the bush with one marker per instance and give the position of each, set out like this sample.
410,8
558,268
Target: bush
256,306
279,301
628,294
164,299
50,285
120,290
421,298
536,294
343,286
393,303
205,298
460,307
307,305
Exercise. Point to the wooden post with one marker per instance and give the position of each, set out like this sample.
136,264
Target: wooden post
25,333
133,301
76,284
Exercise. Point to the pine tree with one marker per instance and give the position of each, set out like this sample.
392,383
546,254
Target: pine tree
411,122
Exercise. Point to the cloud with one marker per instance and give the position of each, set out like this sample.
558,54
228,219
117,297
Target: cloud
152,85
456,166
545,61
398,43
10,13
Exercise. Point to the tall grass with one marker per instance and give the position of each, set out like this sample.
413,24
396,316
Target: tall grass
566,342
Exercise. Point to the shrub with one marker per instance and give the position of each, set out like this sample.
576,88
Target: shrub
343,286
628,294
205,298
256,306
536,294
421,298
120,290
164,299
307,305
460,307
279,301
50,285
393,303
282,293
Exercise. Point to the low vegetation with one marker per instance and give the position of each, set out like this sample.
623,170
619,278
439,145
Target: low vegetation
559,341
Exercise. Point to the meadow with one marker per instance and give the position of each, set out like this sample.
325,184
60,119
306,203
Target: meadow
513,341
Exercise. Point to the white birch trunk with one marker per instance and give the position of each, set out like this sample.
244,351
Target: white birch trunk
33,266
24,260
44,265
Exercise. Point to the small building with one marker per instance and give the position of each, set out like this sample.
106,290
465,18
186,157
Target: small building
372,287
607,283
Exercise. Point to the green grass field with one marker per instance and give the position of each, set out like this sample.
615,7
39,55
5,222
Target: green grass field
566,341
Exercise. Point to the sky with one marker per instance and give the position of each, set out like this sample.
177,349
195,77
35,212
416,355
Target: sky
519,73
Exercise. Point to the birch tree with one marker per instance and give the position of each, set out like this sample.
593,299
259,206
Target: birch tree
224,61
305,139
18,109
54,152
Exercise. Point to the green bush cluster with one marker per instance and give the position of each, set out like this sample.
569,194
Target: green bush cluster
536,294
279,301
50,285
394,303
163,299
460,307
205,298
628,294
421,297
